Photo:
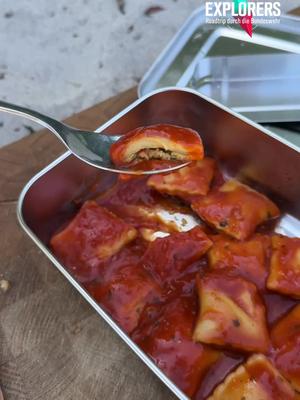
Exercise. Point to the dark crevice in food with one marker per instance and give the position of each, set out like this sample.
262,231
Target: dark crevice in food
157,154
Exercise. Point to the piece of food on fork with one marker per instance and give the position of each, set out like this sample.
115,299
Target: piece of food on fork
158,142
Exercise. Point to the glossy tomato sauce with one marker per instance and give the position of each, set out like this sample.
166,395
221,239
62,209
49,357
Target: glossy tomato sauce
159,312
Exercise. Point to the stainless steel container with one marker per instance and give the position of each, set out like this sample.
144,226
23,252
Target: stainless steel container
197,40
243,149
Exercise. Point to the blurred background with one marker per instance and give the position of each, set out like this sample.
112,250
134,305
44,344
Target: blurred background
60,57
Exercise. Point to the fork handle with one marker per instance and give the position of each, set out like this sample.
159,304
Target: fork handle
47,122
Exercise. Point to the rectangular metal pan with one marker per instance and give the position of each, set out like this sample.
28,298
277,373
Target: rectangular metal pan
252,85
197,39
242,148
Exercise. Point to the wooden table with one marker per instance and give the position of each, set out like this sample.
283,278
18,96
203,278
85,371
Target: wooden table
53,345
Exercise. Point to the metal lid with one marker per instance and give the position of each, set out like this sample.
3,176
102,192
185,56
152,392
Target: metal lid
198,42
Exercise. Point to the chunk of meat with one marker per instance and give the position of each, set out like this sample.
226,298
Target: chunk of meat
94,235
163,142
192,180
168,258
232,314
257,379
247,259
286,328
287,360
235,209
167,339
285,266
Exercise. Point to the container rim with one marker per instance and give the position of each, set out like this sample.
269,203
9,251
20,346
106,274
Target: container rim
190,20
256,125
70,278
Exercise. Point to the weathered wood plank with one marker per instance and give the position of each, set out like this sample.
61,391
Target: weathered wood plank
53,346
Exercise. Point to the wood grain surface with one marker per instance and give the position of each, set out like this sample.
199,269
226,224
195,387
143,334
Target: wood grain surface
53,345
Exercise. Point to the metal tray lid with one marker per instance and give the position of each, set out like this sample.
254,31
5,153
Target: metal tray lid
198,39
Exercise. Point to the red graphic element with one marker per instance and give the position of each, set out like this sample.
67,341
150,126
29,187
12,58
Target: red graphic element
246,23
246,20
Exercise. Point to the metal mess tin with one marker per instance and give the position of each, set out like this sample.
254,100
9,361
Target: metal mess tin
243,149
198,40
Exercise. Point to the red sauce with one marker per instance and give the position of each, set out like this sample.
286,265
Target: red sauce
149,289
287,359
217,373
167,338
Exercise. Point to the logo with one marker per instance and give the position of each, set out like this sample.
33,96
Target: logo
243,12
